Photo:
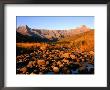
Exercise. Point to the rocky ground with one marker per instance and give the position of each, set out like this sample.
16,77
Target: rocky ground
51,59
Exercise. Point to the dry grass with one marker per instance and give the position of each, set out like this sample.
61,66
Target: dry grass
28,45
83,41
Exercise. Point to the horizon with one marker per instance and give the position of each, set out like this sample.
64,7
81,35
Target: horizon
55,22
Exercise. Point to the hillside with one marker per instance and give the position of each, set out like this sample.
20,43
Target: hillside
26,38
82,41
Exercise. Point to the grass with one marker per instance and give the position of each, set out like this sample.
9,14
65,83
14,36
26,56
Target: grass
82,42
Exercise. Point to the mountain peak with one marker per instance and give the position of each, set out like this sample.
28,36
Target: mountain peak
83,27
23,26
24,29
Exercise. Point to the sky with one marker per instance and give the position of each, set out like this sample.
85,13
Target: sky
55,22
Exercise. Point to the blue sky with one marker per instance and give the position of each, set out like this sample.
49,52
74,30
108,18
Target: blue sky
55,22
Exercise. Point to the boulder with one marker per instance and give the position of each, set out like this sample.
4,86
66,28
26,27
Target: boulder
65,61
91,53
33,59
72,56
59,63
30,64
66,55
23,70
55,69
43,47
41,62
83,60
65,70
83,70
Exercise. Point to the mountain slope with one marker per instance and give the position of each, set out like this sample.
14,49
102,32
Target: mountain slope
83,41
26,38
51,34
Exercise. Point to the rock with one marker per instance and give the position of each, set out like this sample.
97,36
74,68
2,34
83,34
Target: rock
91,53
43,47
65,61
18,58
43,68
78,63
91,71
34,63
73,56
27,73
56,58
23,70
78,60
32,73
30,64
74,66
54,63
56,69
83,60
33,59
85,56
59,63
68,72
41,62
75,53
91,61
80,57
65,70
66,55
52,66
83,70
47,62
32,54
87,59
40,72
36,71
27,55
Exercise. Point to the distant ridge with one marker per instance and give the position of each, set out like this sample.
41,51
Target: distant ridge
48,35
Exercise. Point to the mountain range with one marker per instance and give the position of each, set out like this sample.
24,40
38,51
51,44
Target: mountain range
26,34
